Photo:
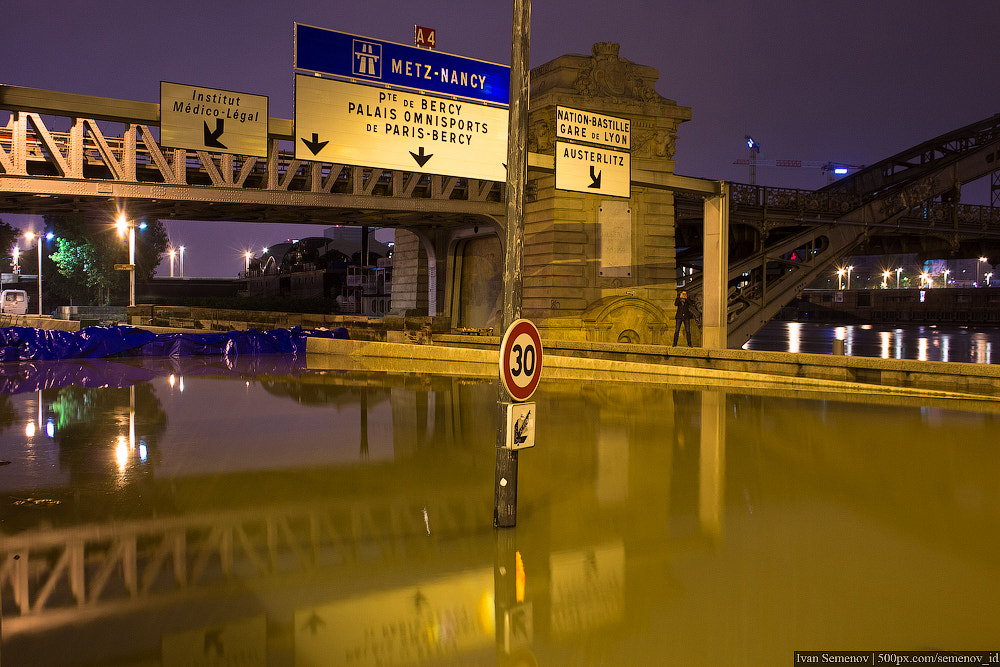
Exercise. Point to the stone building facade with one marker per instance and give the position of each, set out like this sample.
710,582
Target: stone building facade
575,288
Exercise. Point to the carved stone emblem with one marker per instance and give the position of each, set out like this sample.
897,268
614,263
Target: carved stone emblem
607,75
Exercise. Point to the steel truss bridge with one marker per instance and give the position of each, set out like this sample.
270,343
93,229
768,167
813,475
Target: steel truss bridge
83,169
781,239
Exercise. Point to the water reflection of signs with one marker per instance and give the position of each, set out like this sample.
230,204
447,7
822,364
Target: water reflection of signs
519,627
239,643
440,619
588,589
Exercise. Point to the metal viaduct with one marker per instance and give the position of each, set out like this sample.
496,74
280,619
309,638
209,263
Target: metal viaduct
906,203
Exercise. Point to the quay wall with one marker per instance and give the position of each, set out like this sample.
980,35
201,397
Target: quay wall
424,344
479,356
952,305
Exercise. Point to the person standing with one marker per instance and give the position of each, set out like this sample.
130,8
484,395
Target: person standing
682,317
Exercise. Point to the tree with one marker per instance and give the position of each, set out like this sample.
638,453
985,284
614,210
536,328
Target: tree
88,251
8,237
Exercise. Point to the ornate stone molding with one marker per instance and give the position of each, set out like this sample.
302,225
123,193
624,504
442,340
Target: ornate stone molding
608,75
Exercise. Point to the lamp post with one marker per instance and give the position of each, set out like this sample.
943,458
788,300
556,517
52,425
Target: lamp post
123,227
30,236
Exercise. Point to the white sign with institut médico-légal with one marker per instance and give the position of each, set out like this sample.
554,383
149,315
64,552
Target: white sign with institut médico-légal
210,119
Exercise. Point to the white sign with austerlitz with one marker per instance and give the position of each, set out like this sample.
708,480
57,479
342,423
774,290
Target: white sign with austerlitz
210,119
350,123
598,171
593,128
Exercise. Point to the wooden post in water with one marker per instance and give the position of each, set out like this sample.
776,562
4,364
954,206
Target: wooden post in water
505,489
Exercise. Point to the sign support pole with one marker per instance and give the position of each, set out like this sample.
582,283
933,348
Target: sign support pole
505,487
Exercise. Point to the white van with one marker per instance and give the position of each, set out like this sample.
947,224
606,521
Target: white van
14,302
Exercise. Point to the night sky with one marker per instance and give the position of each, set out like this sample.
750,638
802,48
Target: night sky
846,81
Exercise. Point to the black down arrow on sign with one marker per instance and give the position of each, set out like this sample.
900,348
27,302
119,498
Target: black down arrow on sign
315,145
420,157
595,177
212,138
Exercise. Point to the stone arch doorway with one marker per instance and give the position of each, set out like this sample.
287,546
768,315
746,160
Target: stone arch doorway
625,320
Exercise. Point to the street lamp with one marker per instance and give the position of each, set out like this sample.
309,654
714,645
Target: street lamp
173,253
30,236
247,256
885,278
849,270
982,260
840,278
988,276
182,261
124,226
945,274
925,278
898,271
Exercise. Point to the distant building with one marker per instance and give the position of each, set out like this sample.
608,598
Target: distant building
342,264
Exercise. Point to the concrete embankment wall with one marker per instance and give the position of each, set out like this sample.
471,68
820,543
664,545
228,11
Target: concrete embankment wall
479,357
393,345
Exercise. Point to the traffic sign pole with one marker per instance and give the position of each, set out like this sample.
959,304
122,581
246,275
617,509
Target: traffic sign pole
505,482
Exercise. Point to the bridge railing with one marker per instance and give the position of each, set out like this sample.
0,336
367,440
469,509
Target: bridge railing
832,204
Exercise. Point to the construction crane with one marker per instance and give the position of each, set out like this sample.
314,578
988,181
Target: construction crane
831,168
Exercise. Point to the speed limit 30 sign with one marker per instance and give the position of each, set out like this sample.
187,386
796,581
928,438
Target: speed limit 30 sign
521,359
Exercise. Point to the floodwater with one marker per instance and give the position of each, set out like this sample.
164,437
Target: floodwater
270,515
978,345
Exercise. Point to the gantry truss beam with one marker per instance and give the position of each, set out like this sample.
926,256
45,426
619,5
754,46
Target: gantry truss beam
86,169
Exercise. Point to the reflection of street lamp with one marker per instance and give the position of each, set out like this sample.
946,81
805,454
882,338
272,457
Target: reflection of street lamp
898,271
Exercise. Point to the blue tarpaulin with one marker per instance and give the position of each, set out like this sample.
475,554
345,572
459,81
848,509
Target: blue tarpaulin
30,344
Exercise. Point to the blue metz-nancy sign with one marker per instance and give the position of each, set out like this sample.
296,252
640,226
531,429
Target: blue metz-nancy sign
371,60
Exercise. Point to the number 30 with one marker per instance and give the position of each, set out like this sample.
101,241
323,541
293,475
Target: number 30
524,360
